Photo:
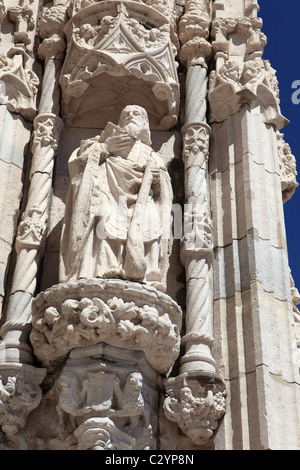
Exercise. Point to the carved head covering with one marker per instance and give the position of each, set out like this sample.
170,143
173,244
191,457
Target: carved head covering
137,115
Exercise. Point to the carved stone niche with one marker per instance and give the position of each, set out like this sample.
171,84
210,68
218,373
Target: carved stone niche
106,343
119,53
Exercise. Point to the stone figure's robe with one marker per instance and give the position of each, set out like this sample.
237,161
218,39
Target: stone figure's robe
97,238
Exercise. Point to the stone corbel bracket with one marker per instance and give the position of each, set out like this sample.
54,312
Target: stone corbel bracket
113,54
20,393
196,402
119,313
242,76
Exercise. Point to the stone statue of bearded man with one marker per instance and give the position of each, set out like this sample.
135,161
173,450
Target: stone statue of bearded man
118,210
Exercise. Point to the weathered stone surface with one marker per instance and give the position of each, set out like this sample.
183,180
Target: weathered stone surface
178,329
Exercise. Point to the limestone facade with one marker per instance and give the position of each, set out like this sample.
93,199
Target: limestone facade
146,299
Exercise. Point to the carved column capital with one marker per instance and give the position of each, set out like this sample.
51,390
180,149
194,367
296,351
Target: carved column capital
287,168
196,402
235,83
52,48
195,22
248,29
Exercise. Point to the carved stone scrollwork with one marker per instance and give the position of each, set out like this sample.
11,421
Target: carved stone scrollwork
196,402
112,311
114,40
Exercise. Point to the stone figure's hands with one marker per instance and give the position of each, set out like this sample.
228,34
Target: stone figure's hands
119,145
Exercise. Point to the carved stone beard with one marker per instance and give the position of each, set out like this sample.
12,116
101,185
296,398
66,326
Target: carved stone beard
134,130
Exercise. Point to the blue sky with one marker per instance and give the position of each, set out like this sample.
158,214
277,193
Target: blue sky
282,28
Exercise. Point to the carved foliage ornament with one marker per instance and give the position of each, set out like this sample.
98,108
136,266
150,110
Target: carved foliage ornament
107,38
19,395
